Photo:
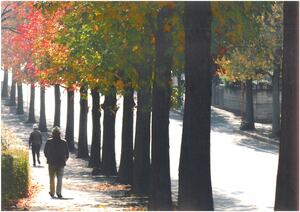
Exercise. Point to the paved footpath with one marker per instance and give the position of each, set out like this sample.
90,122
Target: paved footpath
243,165
81,190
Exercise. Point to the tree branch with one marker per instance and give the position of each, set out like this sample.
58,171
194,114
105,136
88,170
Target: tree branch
4,11
9,28
8,17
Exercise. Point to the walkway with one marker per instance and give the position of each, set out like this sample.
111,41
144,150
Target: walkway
81,190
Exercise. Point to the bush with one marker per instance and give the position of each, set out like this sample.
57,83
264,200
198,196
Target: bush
15,175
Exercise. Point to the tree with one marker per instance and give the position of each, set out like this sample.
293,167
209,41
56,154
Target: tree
126,165
141,165
20,109
160,183
195,191
249,35
83,151
240,56
271,43
95,158
12,99
57,105
248,117
108,163
31,116
4,92
70,119
287,186
8,22
141,51
42,122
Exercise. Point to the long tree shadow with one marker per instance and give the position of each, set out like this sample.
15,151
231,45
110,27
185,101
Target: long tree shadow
223,123
219,122
223,202
257,145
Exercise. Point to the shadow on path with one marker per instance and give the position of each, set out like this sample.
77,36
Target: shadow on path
259,146
223,202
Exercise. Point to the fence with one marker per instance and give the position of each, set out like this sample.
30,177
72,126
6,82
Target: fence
229,99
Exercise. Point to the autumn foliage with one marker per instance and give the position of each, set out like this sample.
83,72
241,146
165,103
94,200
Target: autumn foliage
76,43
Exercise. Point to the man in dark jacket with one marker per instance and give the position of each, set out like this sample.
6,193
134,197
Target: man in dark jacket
35,141
57,153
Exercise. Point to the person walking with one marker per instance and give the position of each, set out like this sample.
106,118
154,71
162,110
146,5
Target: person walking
57,153
35,142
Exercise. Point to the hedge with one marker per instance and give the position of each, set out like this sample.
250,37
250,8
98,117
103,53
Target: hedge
14,175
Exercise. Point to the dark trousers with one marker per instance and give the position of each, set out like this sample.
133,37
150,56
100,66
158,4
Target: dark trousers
36,151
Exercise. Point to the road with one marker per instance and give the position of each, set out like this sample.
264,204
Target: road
243,169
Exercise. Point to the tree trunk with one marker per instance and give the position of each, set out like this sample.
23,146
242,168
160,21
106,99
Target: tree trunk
126,165
83,151
108,165
12,100
276,102
31,116
57,105
20,108
195,190
95,158
141,165
43,122
4,93
287,187
70,120
248,122
160,183
242,100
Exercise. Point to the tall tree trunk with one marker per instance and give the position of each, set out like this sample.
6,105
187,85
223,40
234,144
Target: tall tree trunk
12,100
43,122
57,105
141,165
248,121
108,163
160,183
83,151
276,102
287,187
95,158
20,108
4,92
126,165
31,116
195,190
242,100
70,120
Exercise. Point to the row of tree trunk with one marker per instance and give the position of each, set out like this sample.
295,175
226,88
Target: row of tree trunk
16,88
195,190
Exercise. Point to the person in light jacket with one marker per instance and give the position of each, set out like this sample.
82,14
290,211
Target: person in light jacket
57,153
